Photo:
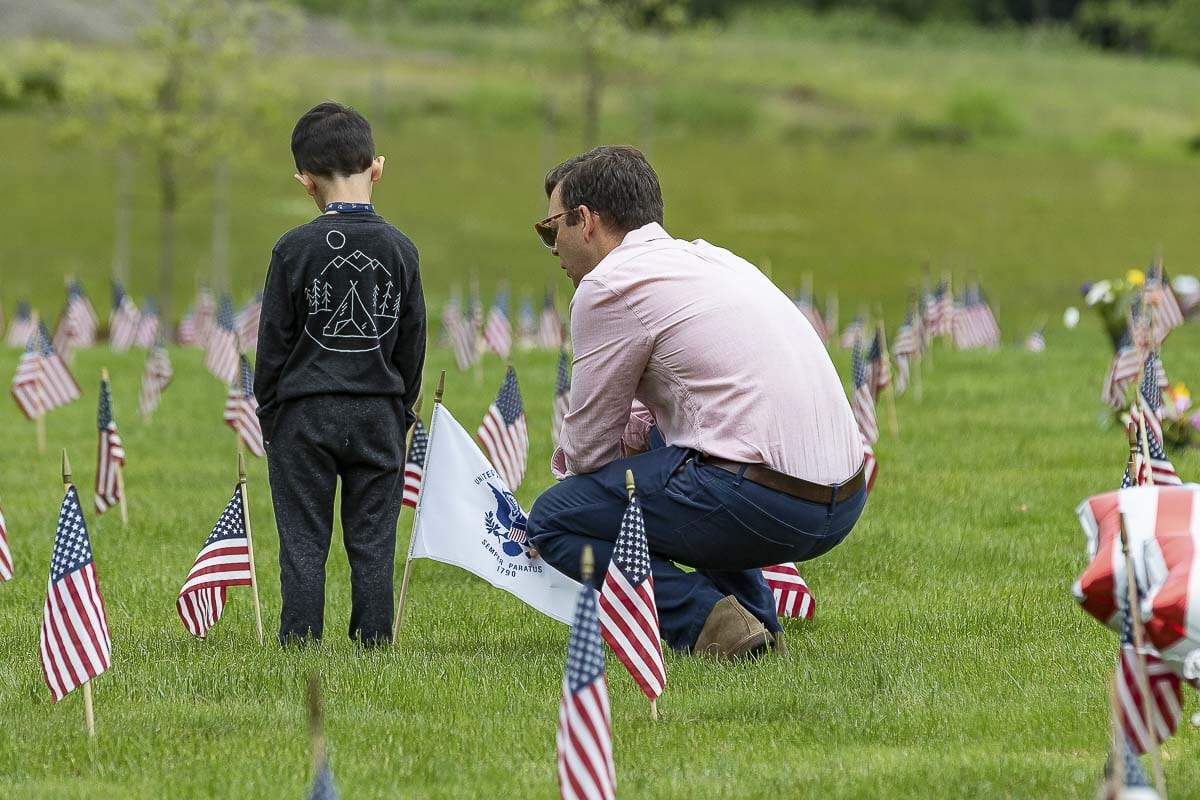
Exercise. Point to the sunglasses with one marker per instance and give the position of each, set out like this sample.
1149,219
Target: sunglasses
548,232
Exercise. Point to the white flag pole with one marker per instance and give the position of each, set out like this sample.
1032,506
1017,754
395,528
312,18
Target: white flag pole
412,537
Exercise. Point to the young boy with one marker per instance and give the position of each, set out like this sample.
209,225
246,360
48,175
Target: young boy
341,345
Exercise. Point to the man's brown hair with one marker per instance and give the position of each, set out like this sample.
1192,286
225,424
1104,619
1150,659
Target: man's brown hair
614,181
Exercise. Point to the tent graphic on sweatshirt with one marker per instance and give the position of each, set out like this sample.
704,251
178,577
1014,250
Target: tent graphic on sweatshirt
351,320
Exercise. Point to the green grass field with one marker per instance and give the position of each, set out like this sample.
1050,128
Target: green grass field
946,651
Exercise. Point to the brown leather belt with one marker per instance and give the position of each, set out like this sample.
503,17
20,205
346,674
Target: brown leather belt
796,487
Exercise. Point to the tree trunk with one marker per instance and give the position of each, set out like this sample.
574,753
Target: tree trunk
168,190
220,232
121,225
592,93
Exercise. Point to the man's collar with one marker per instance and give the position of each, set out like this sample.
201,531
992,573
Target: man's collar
648,232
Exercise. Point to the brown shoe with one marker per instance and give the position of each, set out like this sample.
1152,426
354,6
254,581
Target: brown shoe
731,632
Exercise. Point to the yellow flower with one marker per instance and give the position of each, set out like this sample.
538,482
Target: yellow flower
1135,277
1180,392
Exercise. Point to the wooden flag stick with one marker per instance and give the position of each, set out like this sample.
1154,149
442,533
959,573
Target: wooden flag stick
316,719
629,489
437,401
1116,776
885,360
249,540
89,715
1145,443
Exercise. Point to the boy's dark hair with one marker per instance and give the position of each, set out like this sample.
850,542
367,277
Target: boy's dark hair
615,181
332,140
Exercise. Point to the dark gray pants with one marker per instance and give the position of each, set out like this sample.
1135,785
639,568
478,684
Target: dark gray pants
314,441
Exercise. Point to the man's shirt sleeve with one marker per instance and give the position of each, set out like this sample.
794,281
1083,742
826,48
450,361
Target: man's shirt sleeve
612,347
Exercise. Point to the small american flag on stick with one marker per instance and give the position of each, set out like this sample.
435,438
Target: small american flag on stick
549,324
21,327
147,328
6,564
43,382
247,322
562,396
863,401
241,410
1126,365
221,359
498,331
414,464
224,561
628,616
793,598
75,645
110,455
123,321
585,758
156,377
504,434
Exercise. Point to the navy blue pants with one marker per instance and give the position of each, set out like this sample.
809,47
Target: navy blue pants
723,525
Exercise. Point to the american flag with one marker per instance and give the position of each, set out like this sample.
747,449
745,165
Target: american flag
147,328
831,314
852,333
793,598
498,333
247,322
628,616
124,319
1126,365
21,327
156,377
550,325
906,345
881,370
110,455
526,324
203,320
241,410
562,396
6,565
943,310
503,432
1144,412
1036,341
186,333
222,356
863,401
323,786
585,758
223,561
43,382
75,645
414,464
465,344
1169,314
809,309
870,465
1166,707
451,316
78,324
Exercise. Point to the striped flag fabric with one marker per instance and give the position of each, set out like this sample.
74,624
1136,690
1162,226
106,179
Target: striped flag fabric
147,328
224,561
123,320
852,333
451,316
793,598
75,645
880,369
43,382
498,331
414,464
503,432
549,334
870,465
863,399
584,739
6,563
906,345
1168,313
562,395
943,310
204,318
78,324
465,344
809,309
1036,341
241,410
155,378
1145,412
221,359
628,616
526,325
247,322
1126,365
1166,704
186,332
21,327
110,455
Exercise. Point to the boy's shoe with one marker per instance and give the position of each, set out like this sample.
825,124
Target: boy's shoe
731,633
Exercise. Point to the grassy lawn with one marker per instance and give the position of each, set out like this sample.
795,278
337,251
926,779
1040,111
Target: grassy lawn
946,649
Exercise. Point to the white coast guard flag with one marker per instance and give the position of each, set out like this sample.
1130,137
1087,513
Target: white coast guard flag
466,516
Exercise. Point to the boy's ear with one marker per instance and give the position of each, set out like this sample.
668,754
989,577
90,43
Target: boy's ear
307,182
377,168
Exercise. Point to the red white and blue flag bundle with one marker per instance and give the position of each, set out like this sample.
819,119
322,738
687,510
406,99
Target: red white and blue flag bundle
504,434
562,396
1145,413
498,331
75,645
628,616
43,382
21,327
793,598
584,740
241,410
124,319
110,455
221,359
414,464
6,563
224,561
155,378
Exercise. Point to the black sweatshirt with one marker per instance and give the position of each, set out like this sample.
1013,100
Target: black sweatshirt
342,313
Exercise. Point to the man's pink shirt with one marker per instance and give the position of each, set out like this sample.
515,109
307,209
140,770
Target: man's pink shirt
723,360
